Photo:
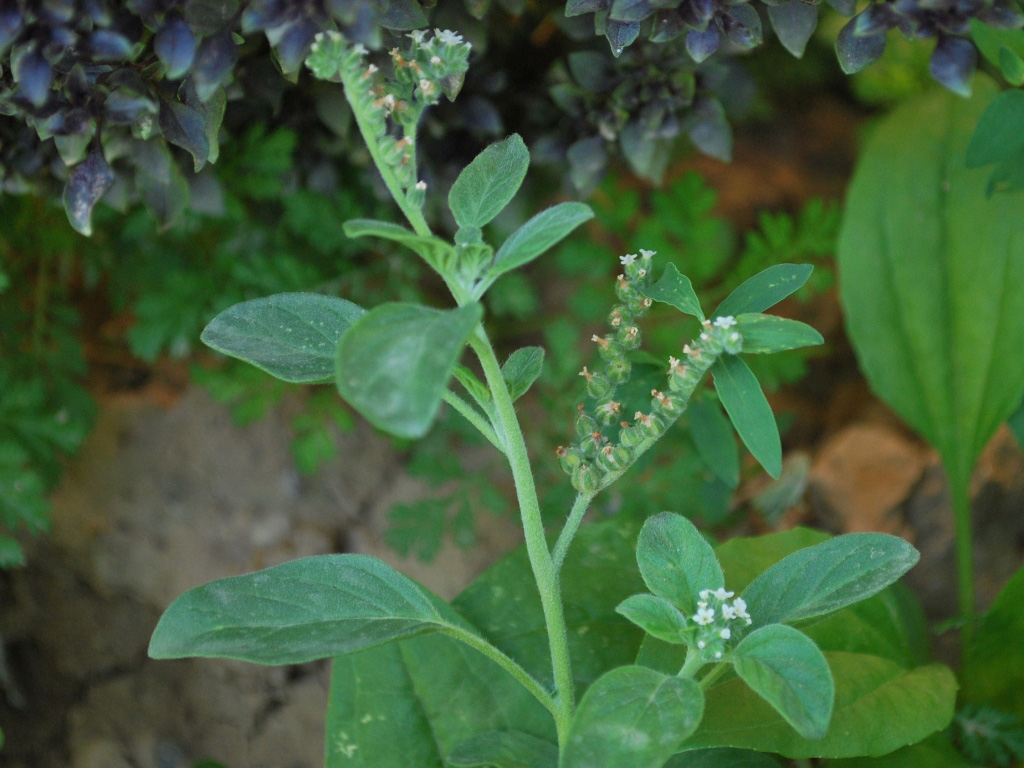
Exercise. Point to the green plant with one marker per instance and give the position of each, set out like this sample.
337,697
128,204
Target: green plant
536,663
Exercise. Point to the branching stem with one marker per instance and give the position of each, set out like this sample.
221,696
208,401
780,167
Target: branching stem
474,417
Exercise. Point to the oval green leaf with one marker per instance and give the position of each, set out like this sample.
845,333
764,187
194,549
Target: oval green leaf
828,576
676,562
538,235
766,334
394,363
489,183
654,615
312,608
522,368
787,670
632,717
505,749
930,270
749,411
675,289
765,289
292,336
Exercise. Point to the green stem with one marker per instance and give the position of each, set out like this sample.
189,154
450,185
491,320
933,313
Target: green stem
692,664
508,664
714,674
960,490
543,566
474,417
572,525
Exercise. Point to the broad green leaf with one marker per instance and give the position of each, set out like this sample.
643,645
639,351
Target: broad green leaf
714,440
489,183
722,758
879,707
994,139
654,615
749,411
311,608
993,671
433,250
538,235
1001,47
744,558
765,289
1016,422
934,752
828,576
676,289
787,670
522,369
928,267
438,693
766,334
394,363
632,717
676,562
292,336
505,749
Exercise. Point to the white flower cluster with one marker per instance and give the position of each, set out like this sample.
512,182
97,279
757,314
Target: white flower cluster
714,616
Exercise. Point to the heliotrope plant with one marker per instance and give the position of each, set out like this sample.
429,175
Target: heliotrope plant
532,665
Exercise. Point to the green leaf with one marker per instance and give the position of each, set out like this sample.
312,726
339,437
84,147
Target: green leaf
722,758
749,411
928,265
994,139
744,558
505,749
1000,47
934,752
787,670
828,576
538,235
394,363
632,717
676,562
489,183
675,289
433,250
311,608
654,615
766,334
713,438
765,289
292,336
879,707
522,369
993,671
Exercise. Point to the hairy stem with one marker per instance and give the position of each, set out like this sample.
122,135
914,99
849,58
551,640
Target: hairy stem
572,525
474,417
543,566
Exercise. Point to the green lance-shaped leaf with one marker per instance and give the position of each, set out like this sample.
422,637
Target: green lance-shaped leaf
489,183
765,289
522,369
828,576
787,670
394,363
654,615
433,250
538,235
879,707
505,749
632,717
766,334
994,658
292,336
749,411
676,562
312,608
930,270
675,289
714,440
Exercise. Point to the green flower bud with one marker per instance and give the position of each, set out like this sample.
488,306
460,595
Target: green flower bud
586,425
631,436
569,458
585,479
598,386
613,458
629,337
619,370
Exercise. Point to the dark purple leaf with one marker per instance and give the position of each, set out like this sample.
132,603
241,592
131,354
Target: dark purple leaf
698,13
175,45
403,14
208,17
742,26
34,76
1003,15
709,130
630,10
588,159
126,107
593,70
668,25
794,22
11,22
105,45
264,14
620,34
294,45
579,7
184,126
953,62
845,7
212,112
166,197
855,52
87,183
700,45
876,19
214,61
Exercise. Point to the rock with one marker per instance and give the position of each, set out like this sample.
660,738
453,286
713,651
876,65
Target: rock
100,753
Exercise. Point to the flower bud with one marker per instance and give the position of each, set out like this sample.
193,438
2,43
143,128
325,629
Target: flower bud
585,479
619,370
586,425
569,458
598,386
629,337
631,436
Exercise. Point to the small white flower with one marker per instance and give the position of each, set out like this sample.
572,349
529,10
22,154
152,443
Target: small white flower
718,654
701,644
628,259
426,86
359,48
435,60
740,606
647,254
690,351
704,616
728,612
735,337
421,185
417,35
725,634
728,321
608,408
704,337
722,594
448,37
673,363
389,101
